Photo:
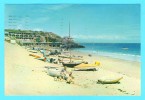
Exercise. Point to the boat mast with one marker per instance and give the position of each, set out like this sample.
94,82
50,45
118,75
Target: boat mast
69,29
69,41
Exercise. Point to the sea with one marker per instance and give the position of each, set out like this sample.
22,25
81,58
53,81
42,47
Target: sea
125,51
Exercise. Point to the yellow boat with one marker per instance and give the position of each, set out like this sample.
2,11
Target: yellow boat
36,56
109,80
83,65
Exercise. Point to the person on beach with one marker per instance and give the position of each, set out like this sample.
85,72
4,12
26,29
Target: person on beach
45,59
63,73
70,79
44,55
43,52
67,76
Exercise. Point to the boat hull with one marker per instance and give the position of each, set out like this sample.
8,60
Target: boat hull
86,69
71,65
54,72
109,81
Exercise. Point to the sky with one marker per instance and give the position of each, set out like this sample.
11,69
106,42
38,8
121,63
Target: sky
93,23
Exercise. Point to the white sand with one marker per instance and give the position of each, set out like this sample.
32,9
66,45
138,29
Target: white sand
25,75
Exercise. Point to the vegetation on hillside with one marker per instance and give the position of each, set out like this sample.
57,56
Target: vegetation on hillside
41,36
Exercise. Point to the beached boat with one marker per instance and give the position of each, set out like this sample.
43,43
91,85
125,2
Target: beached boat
54,72
83,65
87,67
109,80
71,64
75,58
57,72
33,55
68,47
33,51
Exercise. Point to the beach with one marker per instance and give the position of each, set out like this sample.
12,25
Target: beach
25,75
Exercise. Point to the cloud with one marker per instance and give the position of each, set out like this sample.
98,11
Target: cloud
40,20
107,38
58,6
19,26
50,7
100,37
37,29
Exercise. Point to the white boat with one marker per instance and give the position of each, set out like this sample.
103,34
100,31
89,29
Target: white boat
54,72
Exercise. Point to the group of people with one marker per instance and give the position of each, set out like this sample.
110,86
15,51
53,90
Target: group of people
47,59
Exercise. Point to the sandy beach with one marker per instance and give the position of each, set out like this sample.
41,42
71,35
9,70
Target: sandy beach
25,75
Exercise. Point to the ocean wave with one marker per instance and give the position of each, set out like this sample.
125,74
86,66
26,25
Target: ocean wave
129,57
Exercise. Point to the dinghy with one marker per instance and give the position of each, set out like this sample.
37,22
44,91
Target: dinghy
68,45
33,55
54,72
109,80
33,51
71,64
87,67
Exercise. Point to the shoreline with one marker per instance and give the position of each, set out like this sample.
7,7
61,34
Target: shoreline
31,77
135,65
121,56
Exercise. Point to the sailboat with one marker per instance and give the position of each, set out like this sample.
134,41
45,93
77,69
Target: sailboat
71,63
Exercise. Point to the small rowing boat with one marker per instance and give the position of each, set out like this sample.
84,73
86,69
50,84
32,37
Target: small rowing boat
71,64
109,80
54,72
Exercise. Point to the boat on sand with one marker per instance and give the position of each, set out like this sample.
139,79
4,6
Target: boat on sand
72,61
109,80
71,64
33,55
87,67
83,65
54,72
